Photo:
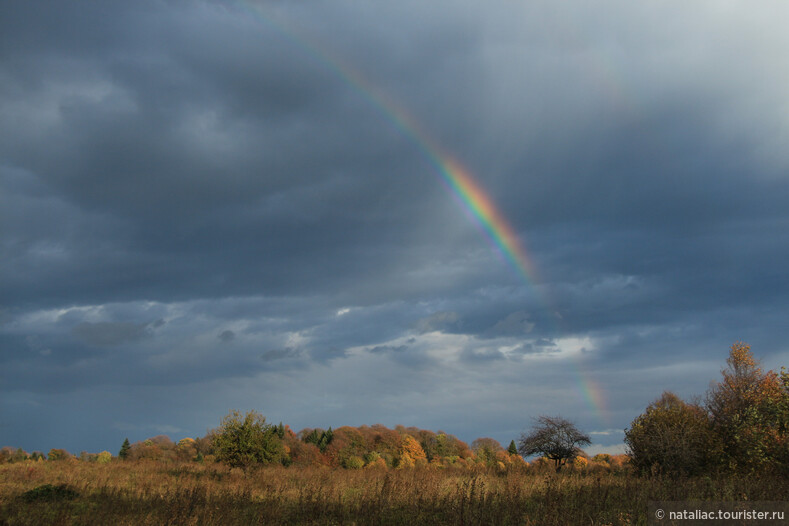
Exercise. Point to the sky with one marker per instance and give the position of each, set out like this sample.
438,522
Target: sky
220,205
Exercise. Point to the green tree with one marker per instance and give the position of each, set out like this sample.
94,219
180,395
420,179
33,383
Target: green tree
512,449
672,437
241,441
555,438
325,439
125,447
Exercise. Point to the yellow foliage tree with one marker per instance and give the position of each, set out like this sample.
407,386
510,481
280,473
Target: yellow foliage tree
580,462
750,413
411,452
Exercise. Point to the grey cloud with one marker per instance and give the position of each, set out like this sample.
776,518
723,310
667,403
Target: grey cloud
110,333
516,323
481,355
385,349
226,336
438,321
279,354
540,346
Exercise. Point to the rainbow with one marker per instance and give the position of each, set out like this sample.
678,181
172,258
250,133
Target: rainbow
476,202
593,394
457,178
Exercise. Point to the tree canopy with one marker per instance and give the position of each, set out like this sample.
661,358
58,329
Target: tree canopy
244,441
555,438
672,437
742,427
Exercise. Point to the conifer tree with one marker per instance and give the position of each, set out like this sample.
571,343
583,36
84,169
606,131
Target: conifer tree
125,447
513,449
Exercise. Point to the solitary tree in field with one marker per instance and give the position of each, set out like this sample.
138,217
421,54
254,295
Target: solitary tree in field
555,438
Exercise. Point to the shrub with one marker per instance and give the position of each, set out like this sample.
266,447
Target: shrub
49,493
672,437
353,462
241,442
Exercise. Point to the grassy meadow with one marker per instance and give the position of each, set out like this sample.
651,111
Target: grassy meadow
148,492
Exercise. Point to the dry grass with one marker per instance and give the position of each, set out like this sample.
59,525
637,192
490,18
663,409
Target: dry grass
189,493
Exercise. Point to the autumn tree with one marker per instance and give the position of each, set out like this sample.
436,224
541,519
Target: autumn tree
451,448
303,453
59,454
485,450
186,449
750,412
9,454
411,452
672,437
386,443
429,442
555,438
244,441
347,442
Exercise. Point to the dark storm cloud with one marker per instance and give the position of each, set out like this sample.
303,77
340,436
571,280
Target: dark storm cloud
198,205
226,336
172,140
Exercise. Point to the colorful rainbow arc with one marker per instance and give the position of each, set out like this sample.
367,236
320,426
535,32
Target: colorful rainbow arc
461,183
455,176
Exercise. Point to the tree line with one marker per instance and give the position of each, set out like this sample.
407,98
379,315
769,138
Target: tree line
247,440
741,426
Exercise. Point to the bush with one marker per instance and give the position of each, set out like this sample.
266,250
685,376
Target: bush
353,462
242,442
672,437
49,493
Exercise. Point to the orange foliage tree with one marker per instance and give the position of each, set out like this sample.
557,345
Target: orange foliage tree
411,452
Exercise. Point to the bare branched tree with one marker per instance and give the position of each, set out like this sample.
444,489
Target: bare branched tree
555,438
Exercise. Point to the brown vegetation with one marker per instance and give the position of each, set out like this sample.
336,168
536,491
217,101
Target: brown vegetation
146,492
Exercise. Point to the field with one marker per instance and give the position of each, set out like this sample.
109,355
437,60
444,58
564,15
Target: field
71,492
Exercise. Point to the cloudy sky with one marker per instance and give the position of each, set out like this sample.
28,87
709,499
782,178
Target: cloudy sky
216,205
